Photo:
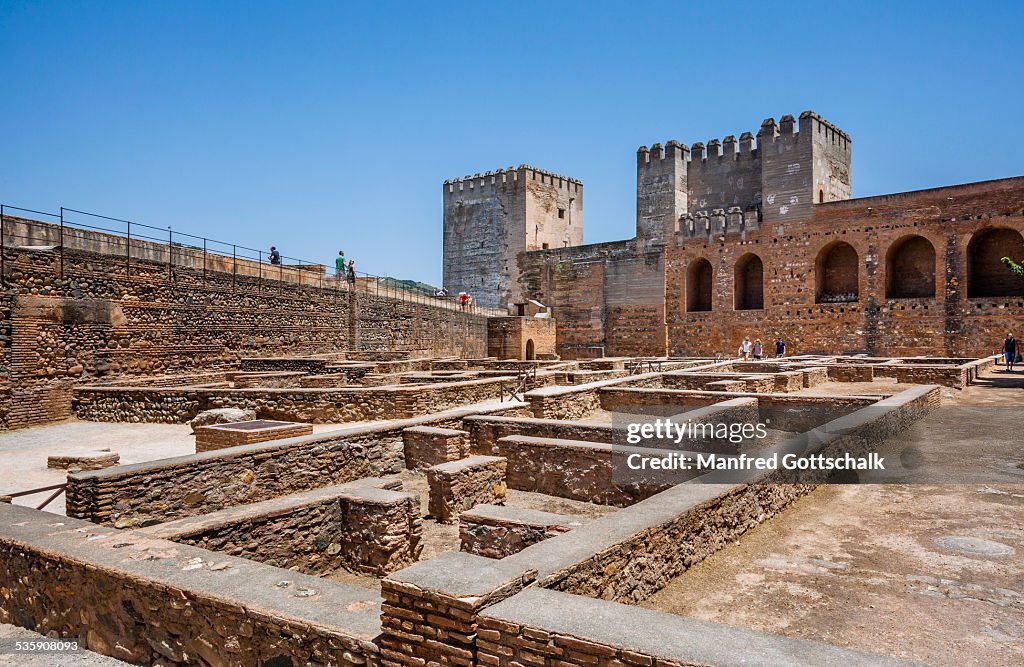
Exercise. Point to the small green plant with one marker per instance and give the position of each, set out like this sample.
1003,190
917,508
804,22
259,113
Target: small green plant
1014,266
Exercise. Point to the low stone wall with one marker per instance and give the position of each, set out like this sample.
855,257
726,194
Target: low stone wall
570,469
167,489
579,401
149,601
176,405
851,372
365,526
784,412
496,531
955,377
427,446
634,552
542,627
485,431
222,436
461,485
430,609
307,365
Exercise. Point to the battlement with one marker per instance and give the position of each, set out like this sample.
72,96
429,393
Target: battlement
787,127
773,175
511,175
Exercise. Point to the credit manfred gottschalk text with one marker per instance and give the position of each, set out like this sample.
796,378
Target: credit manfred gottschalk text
659,432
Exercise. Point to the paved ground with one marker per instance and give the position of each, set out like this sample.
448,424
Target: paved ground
24,451
931,572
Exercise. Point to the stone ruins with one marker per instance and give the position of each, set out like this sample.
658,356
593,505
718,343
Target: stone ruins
378,477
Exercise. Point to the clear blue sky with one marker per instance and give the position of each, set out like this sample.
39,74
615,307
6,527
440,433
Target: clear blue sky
319,126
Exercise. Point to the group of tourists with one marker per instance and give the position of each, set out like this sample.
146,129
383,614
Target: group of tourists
343,270
755,350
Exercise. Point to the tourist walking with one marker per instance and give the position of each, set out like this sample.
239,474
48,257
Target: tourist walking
745,349
275,256
352,272
1010,352
463,300
780,348
339,265
758,350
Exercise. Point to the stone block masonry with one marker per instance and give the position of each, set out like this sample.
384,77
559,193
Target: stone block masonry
174,405
88,315
495,531
167,489
365,526
427,446
149,601
429,614
569,469
542,627
461,485
222,436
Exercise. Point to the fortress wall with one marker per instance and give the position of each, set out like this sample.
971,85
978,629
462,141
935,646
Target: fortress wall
588,287
87,316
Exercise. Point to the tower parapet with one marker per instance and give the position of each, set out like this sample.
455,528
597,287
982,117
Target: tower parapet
490,218
791,165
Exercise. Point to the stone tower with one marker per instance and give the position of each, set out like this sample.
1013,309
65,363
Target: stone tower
490,218
790,169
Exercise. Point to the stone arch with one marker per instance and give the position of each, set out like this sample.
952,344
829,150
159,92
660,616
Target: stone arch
837,274
748,284
699,276
530,354
910,269
986,273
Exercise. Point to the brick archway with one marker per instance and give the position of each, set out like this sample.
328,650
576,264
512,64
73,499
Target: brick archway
837,274
986,273
748,284
699,276
910,269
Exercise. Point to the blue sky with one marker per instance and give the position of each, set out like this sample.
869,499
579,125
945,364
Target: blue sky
326,126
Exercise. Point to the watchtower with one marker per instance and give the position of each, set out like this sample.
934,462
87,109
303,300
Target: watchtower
789,169
490,218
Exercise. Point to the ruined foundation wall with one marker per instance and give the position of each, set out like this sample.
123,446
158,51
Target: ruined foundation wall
149,601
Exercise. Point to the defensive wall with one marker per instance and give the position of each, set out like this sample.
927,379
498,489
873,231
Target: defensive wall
914,273
88,311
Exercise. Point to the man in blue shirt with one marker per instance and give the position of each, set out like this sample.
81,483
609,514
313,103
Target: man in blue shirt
275,256
780,348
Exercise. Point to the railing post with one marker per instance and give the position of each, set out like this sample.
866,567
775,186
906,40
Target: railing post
204,260
128,255
234,265
62,243
170,256
259,261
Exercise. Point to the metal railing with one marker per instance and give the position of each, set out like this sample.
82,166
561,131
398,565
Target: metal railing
56,488
516,389
137,243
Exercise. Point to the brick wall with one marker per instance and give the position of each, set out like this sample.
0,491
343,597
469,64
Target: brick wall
582,284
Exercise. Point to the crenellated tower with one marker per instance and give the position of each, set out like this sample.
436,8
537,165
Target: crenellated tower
490,218
730,185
